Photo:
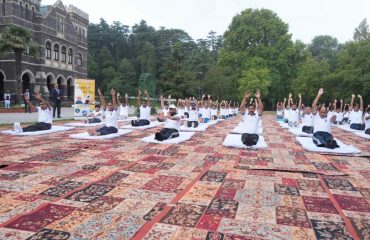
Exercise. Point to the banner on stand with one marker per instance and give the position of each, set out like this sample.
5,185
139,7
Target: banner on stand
84,97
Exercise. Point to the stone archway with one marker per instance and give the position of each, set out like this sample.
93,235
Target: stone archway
70,88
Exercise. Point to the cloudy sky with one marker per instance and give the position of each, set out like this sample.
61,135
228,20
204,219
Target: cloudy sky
306,19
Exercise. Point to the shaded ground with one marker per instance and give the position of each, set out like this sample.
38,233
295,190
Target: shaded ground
53,187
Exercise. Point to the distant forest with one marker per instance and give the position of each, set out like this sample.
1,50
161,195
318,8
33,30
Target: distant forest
257,51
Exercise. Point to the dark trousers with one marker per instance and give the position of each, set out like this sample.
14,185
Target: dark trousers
107,130
324,139
166,133
190,123
186,115
26,108
357,126
56,108
250,139
140,123
367,131
41,126
94,120
307,129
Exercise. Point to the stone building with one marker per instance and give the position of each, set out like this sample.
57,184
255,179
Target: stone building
60,31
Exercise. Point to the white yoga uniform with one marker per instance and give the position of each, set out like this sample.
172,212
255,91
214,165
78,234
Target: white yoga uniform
172,124
206,113
307,120
251,123
286,114
224,112
293,115
346,115
45,116
230,111
321,124
181,112
367,122
165,111
111,118
193,115
145,113
214,112
339,116
331,114
123,111
97,114
279,112
356,117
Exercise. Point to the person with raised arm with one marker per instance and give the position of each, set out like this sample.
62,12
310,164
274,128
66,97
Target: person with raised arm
45,118
293,111
356,113
111,116
251,119
193,110
279,111
322,136
214,110
171,125
123,107
145,109
338,112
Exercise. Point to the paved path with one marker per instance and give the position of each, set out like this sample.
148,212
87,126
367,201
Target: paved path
10,118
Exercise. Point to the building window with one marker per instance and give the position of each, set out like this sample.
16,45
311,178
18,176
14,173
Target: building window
56,52
70,56
60,24
3,8
33,13
27,12
21,10
79,60
48,50
64,54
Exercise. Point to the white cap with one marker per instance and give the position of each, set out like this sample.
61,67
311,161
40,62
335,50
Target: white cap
172,106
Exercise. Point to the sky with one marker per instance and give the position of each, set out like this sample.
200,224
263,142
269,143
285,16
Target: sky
306,19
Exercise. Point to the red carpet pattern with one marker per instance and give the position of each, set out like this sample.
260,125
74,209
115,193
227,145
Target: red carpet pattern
53,187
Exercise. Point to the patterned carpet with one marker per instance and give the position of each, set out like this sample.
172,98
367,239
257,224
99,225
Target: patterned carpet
53,187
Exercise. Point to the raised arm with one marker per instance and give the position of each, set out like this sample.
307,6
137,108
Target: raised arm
300,101
118,101
260,104
187,103
102,99
209,100
139,98
147,98
289,100
352,101
361,103
335,105
341,105
314,104
114,98
243,105
162,101
284,103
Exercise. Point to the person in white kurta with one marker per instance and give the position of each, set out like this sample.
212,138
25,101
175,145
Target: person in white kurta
171,125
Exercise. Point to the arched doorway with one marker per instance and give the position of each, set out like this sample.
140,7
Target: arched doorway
26,82
70,89
49,82
59,82
2,87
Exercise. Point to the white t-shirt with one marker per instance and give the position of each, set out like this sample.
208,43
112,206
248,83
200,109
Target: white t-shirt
224,112
331,114
367,122
173,124
339,116
7,97
293,115
237,111
123,111
111,118
181,112
230,111
321,124
356,117
346,115
279,112
97,114
145,113
45,116
251,123
206,113
165,111
214,112
286,114
193,115
307,120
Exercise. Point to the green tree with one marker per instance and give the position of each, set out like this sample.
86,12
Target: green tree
17,40
253,79
362,32
325,48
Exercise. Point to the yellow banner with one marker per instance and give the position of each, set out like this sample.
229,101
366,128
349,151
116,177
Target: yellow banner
84,98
